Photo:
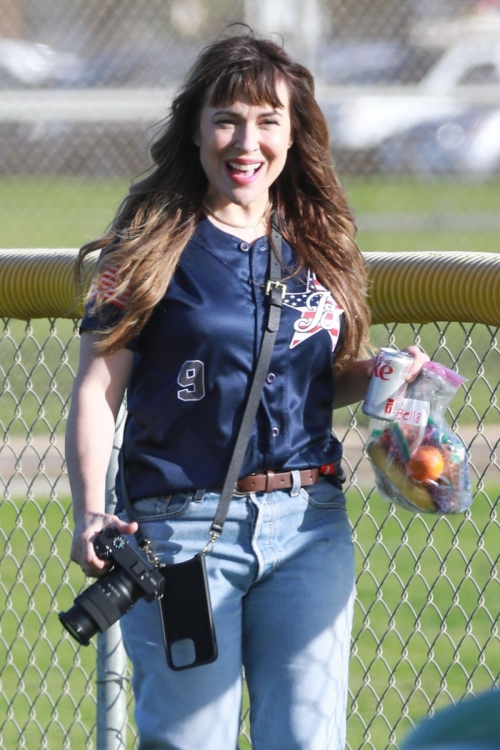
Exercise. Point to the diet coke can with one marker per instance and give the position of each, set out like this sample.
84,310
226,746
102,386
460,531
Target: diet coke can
387,387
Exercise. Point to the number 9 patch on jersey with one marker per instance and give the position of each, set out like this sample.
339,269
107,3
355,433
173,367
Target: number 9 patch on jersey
192,379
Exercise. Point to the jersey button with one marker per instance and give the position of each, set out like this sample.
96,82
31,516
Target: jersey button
275,431
271,377
244,246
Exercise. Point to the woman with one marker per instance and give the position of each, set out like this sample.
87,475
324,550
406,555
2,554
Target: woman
176,316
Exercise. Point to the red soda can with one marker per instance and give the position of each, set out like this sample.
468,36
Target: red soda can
387,387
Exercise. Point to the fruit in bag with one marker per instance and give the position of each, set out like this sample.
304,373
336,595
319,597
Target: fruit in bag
426,465
419,463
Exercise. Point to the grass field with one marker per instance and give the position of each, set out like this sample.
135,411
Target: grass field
426,624
425,632
66,212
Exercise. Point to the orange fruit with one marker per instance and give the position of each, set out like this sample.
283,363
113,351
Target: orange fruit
426,465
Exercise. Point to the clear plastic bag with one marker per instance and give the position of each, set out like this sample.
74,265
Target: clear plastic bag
419,463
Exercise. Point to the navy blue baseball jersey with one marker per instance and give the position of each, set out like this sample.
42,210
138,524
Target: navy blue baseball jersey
193,365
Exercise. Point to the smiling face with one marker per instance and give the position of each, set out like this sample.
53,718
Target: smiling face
243,149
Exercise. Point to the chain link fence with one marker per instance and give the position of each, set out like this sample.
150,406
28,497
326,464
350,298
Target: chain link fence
426,618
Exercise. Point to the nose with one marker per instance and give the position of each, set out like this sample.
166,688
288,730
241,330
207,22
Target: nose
247,137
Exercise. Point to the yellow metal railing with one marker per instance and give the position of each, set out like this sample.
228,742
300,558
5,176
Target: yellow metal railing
404,287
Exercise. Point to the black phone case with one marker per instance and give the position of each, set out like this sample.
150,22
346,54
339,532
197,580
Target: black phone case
186,611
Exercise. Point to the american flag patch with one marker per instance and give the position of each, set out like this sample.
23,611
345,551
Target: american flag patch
318,312
109,282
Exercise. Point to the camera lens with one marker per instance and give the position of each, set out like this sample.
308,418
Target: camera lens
78,624
101,605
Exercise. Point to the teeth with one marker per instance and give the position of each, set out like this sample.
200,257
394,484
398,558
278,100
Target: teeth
244,167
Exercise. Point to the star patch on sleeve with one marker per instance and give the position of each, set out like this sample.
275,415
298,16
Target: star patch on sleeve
318,312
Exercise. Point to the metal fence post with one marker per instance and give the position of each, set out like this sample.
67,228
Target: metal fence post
111,658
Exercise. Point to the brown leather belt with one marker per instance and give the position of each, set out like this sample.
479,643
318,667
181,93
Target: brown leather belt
269,481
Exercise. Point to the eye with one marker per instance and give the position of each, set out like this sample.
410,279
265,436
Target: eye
224,121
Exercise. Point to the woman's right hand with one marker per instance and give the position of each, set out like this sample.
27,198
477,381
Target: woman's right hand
86,530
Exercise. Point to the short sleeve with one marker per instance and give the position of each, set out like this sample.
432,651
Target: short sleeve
99,320
111,311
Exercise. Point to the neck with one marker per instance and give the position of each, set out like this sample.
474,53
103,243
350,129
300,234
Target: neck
247,228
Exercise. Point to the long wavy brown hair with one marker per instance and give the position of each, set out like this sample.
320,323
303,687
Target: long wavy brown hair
157,218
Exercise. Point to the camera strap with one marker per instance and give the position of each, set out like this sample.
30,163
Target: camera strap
275,292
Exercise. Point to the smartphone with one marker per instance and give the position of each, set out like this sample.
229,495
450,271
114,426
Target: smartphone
186,615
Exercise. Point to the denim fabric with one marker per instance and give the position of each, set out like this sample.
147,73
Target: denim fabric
282,587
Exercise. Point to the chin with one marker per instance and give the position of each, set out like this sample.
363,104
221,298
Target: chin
245,200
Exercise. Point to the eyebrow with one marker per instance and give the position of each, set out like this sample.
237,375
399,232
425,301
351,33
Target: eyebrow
272,112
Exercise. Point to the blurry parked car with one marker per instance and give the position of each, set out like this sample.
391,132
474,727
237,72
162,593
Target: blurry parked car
24,63
364,122
373,63
67,145
468,144
137,65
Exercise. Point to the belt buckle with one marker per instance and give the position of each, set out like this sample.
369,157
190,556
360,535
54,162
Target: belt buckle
276,285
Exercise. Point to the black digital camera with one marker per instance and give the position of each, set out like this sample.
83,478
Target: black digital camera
105,601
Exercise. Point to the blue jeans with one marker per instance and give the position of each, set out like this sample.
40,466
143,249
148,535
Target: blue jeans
282,588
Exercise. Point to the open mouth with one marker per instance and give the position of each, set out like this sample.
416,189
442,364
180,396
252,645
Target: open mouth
243,170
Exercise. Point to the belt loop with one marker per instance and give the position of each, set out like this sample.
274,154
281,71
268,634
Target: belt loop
296,482
199,495
269,480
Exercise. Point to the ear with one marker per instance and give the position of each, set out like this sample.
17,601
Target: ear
196,139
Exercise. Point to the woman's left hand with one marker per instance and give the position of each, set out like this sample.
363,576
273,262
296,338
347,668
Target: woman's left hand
419,360
351,385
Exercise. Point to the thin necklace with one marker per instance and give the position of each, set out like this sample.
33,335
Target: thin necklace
239,226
